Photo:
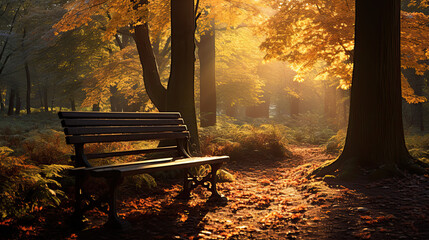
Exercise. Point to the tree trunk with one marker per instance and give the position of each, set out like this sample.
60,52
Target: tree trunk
231,111
330,101
1,101
261,110
417,82
18,104
375,139
11,102
295,100
28,97
155,90
72,104
45,99
207,55
294,105
180,91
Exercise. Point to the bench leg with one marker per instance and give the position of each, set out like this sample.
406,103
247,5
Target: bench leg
185,194
215,195
114,221
77,217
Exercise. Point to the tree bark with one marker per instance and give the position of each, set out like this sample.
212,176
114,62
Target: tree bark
155,90
180,91
11,102
375,144
207,55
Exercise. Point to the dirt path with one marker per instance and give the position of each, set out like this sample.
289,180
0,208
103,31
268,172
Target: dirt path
273,200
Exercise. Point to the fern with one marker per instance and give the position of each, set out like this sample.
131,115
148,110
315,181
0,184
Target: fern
24,187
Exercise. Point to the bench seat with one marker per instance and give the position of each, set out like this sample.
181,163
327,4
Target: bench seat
147,166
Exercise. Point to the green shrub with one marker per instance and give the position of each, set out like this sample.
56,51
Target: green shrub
308,128
418,147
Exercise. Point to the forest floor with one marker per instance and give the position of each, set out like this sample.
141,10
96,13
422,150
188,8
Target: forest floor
268,200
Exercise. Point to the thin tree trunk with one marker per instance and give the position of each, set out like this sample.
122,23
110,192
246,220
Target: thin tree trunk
45,99
261,110
330,101
207,56
11,102
96,107
294,100
18,104
294,105
28,97
1,101
231,111
72,104
180,91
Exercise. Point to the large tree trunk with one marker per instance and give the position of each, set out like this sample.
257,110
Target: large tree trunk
11,102
207,55
28,97
375,138
155,90
180,91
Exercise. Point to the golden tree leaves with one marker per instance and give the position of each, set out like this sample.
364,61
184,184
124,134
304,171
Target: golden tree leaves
306,33
112,13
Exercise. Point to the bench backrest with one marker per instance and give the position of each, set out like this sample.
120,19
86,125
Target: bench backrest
81,128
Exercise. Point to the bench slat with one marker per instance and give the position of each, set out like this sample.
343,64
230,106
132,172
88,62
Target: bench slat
129,170
136,115
119,122
125,129
133,152
81,170
123,138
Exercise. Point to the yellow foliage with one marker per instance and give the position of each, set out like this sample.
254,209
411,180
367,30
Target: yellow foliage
305,33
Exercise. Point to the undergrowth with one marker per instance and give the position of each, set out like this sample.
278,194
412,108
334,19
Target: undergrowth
418,147
243,141
26,187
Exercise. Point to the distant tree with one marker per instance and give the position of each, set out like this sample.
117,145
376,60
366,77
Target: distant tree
375,139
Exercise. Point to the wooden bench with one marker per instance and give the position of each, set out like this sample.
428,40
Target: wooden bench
83,128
